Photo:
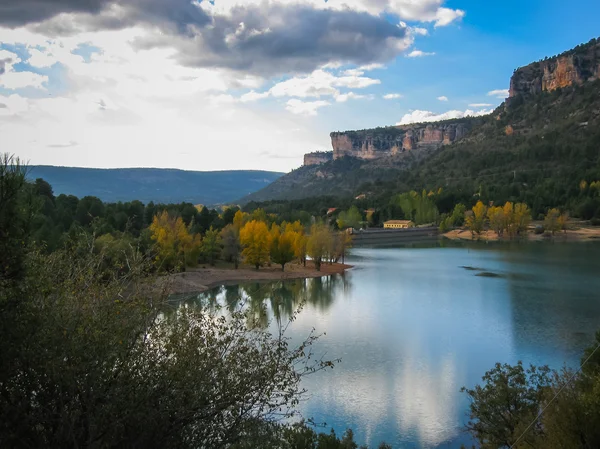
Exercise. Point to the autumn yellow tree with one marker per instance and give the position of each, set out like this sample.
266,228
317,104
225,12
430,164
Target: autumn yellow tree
255,239
240,219
319,244
551,221
495,215
282,248
342,242
563,220
521,218
508,212
475,218
177,247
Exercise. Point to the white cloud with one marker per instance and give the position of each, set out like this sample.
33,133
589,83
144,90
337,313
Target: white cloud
11,79
419,116
498,93
300,107
418,54
392,96
443,98
342,98
445,16
480,105
125,107
419,31
253,96
320,83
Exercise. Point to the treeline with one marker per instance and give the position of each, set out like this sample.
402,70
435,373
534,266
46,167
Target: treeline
182,235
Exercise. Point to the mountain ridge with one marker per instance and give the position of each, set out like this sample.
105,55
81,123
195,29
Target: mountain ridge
165,185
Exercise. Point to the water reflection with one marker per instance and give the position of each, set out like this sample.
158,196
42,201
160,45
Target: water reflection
267,301
413,325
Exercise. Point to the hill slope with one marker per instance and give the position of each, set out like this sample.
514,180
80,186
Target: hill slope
535,147
154,184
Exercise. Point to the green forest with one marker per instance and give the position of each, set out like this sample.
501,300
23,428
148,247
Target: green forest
539,151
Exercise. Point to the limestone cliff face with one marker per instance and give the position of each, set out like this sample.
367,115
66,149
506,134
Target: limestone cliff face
575,66
380,142
318,157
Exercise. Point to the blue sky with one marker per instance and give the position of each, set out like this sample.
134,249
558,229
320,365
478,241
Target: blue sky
253,85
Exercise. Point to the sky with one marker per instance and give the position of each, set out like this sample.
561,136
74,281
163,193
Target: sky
254,84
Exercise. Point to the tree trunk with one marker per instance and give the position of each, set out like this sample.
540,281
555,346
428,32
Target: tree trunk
282,267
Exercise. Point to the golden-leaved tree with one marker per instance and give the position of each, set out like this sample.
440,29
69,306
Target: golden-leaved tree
176,246
475,218
496,217
319,244
255,240
282,246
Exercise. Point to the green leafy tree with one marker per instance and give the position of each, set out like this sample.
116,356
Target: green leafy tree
232,247
211,245
508,401
350,219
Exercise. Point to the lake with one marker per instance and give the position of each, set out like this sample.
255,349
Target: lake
414,325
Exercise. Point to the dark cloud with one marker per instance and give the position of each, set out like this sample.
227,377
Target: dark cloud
3,63
14,13
3,106
263,39
285,38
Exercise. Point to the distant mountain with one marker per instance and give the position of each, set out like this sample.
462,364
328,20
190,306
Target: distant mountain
537,146
154,184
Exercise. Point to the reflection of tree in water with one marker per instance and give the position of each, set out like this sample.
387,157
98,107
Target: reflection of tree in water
278,300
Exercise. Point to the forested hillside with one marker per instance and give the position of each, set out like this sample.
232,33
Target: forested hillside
542,149
154,184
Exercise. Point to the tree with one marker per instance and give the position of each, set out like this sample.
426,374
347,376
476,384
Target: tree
551,221
211,245
496,218
475,218
419,208
508,401
254,238
177,248
319,244
563,219
231,244
240,219
300,247
102,364
342,242
349,219
521,218
282,248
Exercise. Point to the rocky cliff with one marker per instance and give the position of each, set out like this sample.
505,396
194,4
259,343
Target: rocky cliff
318,157
575,66
380,142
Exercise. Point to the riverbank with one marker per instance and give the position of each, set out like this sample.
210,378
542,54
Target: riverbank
202,279
574,234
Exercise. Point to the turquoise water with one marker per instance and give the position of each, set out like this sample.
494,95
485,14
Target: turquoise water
413,325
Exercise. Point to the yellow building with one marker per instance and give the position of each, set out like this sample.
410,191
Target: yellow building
398,224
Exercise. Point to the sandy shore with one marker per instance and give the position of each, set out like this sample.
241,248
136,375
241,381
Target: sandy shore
202,279
575,234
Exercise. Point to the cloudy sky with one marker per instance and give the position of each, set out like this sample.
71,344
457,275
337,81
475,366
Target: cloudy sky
254,84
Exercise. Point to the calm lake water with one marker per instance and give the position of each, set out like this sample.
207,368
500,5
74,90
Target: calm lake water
413,325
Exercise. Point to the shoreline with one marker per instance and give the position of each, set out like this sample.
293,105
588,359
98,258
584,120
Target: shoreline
198,280
577,234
